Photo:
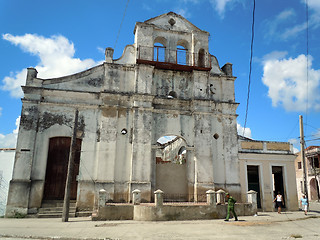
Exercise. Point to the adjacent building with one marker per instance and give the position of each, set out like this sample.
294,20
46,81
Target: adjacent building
268,168
6,166
165,84
312,156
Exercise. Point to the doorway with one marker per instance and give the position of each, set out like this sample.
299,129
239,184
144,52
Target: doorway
314,189
278,186
254,182
57,167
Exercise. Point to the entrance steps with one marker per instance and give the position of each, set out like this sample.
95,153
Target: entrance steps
54,209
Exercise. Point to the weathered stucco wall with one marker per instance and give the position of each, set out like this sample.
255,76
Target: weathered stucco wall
123,110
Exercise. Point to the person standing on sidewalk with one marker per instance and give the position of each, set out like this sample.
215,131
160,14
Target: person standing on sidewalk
279,202
231,203
304,204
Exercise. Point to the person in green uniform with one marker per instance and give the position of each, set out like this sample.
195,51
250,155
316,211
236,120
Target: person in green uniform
231,203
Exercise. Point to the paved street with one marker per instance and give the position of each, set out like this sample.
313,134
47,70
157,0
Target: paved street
288,225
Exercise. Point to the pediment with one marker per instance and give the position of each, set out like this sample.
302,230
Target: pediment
173,21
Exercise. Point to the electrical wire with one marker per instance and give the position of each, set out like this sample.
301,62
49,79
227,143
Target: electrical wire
294,128
124,14
250,65
317,128
311,140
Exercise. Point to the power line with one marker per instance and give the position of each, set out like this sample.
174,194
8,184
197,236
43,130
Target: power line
315,139
294,128
250,65
124,14
317,128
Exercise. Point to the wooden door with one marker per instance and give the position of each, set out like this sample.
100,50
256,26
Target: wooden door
57,167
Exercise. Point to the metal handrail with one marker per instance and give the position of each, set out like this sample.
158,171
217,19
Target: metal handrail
177,56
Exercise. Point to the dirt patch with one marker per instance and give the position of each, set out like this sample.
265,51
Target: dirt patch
245,223
107,225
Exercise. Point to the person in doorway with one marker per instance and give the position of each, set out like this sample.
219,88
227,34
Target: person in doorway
279,202
231,202
304,204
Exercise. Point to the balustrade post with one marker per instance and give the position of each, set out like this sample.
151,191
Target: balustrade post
158,198
211,197
220,196
136,199
252,198
102,198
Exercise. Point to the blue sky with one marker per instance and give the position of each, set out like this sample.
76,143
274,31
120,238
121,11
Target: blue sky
64,37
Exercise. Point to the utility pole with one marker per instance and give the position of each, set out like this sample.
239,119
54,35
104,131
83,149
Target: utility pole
73,145
303,159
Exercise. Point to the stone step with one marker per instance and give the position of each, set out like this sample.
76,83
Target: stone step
84,214
56,203
55,209
54,215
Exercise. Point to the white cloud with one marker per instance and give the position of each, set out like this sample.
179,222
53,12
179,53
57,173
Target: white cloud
293,31
191,1
146,7
241,132
285,14
275,25
183,12
275,55
220,5
10,140
313,4
287,83
101,50
295,144
284,25
56,59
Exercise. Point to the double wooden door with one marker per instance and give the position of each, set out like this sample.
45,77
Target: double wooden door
57,167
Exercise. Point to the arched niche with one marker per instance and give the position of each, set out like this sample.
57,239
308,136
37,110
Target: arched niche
172,94
201,57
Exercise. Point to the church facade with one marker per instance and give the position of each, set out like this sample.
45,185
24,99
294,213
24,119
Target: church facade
165,84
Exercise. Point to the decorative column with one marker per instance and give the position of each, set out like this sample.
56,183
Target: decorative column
136,197
158,198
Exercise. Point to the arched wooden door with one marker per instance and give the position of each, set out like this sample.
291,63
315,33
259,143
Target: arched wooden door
57,167
313,189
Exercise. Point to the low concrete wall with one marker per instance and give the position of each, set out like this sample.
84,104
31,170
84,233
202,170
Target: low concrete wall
149,212
188,212
114,212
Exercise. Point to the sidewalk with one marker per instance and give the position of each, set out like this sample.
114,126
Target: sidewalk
267,225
